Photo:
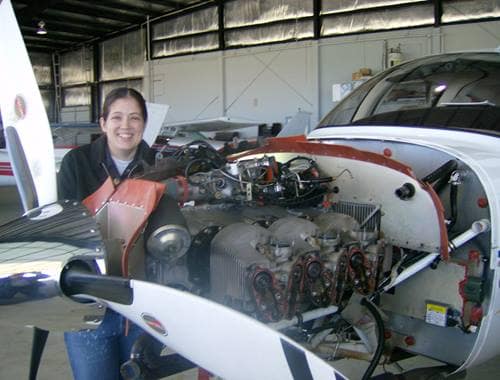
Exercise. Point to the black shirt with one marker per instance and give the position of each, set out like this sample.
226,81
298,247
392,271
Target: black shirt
84,169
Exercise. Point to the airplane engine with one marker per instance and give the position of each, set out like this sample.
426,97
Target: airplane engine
292,266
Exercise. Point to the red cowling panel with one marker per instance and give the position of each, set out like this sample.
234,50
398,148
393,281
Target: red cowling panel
129,206
298,144
99,198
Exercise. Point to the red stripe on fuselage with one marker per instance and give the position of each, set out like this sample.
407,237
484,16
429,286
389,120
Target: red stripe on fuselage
6,169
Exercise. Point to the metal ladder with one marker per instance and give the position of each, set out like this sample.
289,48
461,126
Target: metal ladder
56,72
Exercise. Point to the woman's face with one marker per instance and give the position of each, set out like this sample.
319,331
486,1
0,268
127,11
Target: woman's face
123,127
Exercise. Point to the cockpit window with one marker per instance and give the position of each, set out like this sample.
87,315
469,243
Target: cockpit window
465,80
347,108
408,95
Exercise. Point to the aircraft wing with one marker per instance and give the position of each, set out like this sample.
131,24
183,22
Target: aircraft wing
223,123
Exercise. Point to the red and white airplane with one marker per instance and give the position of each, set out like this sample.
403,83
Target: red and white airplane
6,172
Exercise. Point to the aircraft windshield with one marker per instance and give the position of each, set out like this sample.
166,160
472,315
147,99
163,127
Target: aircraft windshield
461,85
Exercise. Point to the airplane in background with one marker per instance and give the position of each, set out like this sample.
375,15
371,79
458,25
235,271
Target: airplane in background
229,134
7,173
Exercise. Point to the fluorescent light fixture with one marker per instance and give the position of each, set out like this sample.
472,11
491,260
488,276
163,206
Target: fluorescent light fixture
41,28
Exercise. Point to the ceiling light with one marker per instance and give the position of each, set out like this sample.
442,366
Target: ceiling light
41,28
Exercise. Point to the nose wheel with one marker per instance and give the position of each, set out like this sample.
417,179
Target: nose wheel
147,361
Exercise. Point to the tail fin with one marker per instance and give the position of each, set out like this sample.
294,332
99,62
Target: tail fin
22,109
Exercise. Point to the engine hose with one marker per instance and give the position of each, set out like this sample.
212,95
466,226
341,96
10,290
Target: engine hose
453,205
443,171
317,180
311,162
440,184
380,337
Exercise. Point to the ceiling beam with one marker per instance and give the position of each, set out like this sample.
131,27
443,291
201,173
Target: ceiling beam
107,13
83,18
145,7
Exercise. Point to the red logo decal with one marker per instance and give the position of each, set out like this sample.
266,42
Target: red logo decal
20,107
154,323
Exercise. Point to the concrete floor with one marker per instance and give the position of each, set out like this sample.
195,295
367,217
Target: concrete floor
16,341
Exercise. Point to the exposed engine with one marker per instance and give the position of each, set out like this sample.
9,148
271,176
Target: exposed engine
260,181
275,265
292,266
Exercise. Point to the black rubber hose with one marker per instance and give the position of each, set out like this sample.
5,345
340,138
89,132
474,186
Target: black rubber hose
311,162
453,205
380,336
443,171
440,184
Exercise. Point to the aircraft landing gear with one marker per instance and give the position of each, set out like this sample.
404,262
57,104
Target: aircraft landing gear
147,362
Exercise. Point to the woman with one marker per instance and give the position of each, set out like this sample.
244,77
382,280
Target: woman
120,153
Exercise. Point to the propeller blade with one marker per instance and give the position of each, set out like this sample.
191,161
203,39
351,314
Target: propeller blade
223,341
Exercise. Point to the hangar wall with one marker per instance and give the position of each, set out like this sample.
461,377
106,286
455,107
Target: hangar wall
270,83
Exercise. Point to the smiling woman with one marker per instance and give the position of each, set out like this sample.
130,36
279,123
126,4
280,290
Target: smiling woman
123,122
119,153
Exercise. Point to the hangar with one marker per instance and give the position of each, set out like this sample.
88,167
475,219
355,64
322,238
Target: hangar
235,58
259,60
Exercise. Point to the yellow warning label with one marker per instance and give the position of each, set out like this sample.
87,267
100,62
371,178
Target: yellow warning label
437,308
436,314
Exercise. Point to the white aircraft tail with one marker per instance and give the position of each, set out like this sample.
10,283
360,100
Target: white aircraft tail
22,109
299,124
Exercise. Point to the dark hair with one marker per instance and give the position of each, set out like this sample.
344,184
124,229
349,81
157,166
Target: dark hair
123,92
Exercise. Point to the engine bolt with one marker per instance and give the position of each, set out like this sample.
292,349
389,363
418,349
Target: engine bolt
262,281
410,340
314,270
482,202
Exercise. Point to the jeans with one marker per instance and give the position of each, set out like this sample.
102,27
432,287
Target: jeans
98,354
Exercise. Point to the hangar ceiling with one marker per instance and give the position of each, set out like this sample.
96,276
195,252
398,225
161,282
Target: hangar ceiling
72,23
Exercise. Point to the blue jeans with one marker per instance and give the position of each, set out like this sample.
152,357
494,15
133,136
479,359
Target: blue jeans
98,354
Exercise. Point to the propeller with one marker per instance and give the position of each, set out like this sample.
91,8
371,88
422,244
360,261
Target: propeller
221,340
